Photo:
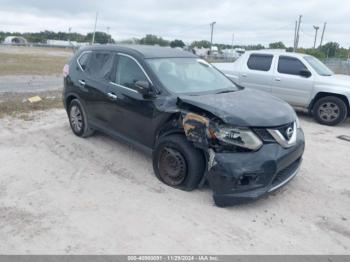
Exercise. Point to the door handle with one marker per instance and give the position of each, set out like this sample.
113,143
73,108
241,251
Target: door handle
82,82
244,75
278,79
112,96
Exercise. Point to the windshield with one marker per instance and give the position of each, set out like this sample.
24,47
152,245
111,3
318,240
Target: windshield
190,76
318,66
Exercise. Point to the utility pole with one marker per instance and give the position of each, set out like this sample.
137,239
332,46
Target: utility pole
93,36
108,34
298,33
324,29
295,36
211,37
233,38
316,29
69,31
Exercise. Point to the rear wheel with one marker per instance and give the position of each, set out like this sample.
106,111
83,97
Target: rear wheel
330,110
77,119
177,163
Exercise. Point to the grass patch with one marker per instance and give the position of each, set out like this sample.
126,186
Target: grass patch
17,105
31,64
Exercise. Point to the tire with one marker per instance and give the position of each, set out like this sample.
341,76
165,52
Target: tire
177,163
330,110
77,119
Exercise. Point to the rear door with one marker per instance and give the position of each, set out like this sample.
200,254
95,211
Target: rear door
94,85
257,72
288,84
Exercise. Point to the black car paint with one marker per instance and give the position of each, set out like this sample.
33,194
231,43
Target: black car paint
258,170
140,121
245,108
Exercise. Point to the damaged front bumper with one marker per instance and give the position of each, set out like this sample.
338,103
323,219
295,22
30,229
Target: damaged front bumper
241,177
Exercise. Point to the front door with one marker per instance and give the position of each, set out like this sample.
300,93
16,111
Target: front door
130,114
288,84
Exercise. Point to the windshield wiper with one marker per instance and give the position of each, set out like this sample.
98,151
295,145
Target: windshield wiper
226,91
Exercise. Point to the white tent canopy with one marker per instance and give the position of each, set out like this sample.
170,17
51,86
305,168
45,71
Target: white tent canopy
15,40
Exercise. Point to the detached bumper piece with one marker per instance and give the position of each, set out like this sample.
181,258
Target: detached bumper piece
242,177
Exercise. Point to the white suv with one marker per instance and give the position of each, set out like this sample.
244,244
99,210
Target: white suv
301,80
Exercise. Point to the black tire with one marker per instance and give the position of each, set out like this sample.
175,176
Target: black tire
77,119
177,163
330,110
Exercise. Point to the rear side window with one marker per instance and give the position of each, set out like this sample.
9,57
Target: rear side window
100,65
128,72
290,65
83,60
260,62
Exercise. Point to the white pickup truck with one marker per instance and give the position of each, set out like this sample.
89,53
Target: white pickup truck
301,80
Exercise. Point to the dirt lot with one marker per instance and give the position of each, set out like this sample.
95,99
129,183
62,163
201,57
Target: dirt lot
32,60
63,194
31,69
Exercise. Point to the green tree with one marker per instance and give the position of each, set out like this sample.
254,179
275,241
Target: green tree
316,53
254,47
277,45
177,43
153,40
201,44
100,38
330,49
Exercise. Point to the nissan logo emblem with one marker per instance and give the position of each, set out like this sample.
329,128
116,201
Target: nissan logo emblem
289,132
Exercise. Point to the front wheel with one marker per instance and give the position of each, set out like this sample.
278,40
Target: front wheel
177,163
330,110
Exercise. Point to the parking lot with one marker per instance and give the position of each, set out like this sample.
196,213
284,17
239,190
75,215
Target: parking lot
63,194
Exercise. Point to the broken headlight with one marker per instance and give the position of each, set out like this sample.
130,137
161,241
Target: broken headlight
242,137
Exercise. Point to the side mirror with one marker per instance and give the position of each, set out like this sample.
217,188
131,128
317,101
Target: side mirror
143,87
305,73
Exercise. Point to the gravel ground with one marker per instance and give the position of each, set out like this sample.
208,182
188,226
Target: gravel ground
67,195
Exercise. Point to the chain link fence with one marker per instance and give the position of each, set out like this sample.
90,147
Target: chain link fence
338,66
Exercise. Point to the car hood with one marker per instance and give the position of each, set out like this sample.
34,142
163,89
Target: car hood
245,108
336,80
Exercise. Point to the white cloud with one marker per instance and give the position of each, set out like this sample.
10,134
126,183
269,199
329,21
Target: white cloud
252,21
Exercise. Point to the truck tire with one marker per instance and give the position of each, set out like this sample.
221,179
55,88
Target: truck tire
330,110
177,163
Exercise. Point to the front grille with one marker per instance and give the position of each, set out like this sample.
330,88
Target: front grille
264,135
285,173
283,130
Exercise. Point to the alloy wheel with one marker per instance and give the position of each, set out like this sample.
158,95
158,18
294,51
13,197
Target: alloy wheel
328,111
76,118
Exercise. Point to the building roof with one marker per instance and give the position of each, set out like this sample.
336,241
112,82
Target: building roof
145,51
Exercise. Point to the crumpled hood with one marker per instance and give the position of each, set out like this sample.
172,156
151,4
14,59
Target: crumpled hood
245,108
335,80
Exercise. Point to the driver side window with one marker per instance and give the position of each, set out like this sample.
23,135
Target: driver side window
128,72
290,65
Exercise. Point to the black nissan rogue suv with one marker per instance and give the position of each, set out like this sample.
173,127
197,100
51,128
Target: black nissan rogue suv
196,123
